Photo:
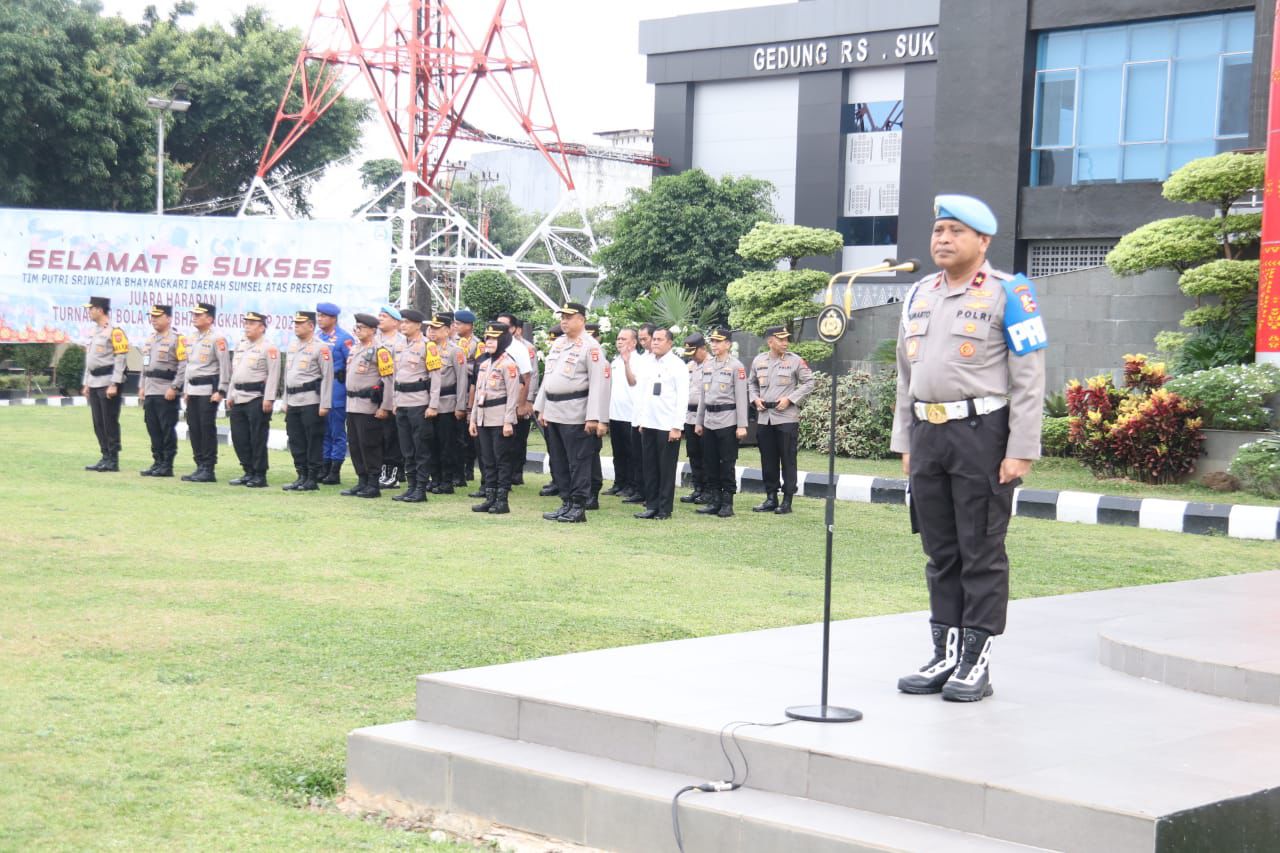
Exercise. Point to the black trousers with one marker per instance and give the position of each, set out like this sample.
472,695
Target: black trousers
202,430
415,442
661,457
250,427
106,420
637,462
391,454
571,448
720,453
778,446
697,468
597,473
364,440
305,429
467,448
620,442
519,448
446,464
161,417
495,457
962,511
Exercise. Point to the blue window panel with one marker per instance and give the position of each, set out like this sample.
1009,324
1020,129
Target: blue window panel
1239,32
1098,165
1182,153
1200,37
1145,96
1233,108
1061,49
1055,109
1150,41
1099,107
1144,163
1106,46
870,117
1195,90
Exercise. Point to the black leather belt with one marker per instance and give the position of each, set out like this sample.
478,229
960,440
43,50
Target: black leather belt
497,401
102,371
572,395
366,394
722,407
203,380
448,390
410,387
252,386
313,385
161,374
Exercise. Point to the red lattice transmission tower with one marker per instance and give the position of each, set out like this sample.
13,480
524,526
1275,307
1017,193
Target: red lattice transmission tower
423,73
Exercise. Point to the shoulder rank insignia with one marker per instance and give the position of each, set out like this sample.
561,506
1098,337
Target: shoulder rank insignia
386,366
1023,326
119,343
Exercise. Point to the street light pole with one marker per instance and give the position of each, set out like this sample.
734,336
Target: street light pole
172,104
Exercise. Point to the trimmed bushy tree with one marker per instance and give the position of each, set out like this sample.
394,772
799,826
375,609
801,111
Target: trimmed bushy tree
758,300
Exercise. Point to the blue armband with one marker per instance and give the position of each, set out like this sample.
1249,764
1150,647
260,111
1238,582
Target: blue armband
1023,326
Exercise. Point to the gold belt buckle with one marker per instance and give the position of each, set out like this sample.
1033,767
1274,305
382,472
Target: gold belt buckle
936,413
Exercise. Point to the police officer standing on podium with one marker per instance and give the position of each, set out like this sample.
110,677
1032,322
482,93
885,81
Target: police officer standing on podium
309,389
164,370
103,377
967,423
778,383
208,375
255,384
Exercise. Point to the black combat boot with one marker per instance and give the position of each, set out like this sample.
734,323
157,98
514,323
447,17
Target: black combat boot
97,466
187,478
645,514
242,480
785,507
612,490
481,492
770,503
296,484
726,505
444,487
500,506
693,497
575,514
164,468
971,682
712,506
555,514
490,500
593,502
203,474
549,490
309,483
111,462
371,489
257,481
149,472
946,655
333,473
355,490
417,493
403,496
636,497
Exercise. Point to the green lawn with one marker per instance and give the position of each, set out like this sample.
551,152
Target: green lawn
179,664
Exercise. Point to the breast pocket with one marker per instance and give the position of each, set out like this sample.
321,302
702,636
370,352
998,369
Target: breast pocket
968,340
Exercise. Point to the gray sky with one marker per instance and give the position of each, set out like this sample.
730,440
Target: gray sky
587,51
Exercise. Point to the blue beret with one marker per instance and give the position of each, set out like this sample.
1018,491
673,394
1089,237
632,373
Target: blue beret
966,209
328,308
390,311
464,316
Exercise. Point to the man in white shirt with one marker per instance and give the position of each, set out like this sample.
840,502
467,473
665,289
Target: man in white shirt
621,414
660,409
638,364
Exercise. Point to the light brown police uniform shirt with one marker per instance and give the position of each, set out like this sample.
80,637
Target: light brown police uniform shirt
108,347
724,394
577,368
411,369
695,390
497,392
251,363
309,363
207,355
164,363
771,379
449,384
951,347
364,374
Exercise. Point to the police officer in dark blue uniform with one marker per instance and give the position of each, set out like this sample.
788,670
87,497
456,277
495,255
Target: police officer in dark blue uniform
340,342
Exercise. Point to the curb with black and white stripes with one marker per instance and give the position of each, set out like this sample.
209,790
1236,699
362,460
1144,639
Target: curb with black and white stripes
1238,521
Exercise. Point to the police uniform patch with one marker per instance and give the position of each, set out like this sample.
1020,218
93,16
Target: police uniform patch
742,373
606,371
347,343
970,327
272,352
913,347
915,327
222,344
119,343
511,371
324,353
433,360
1028,304
385,365
595,355
967,350
180,351
462,357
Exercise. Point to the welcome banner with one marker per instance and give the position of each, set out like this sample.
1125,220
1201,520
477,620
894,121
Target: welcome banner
52,261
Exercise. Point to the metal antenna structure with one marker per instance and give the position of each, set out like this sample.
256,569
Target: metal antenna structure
424,73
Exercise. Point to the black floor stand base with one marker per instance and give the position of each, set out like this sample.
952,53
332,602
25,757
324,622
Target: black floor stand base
824,714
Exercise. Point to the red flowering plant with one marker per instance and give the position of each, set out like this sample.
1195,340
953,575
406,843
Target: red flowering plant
1145,432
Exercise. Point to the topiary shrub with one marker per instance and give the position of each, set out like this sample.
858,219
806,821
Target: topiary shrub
814,352
1257,465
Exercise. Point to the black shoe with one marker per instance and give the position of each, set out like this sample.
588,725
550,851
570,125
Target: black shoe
149,472
309,485
459,483
726,505
187,478
593,503
517,479
242,480
443,488
415,495
785,507
971,681
549,490
692,497
370,490
295,485
490,500
111,463
633,498
97,466
712,506
162,471
612,490
203,475
500,505
648,513
257,481
554,515
575,514
403,496
332,474
662,516
769,505
355,490
946,655
479,493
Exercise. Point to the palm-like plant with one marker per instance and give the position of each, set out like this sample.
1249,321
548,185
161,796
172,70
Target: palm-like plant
671,305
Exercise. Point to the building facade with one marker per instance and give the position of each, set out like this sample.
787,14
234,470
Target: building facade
1063,115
